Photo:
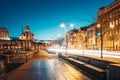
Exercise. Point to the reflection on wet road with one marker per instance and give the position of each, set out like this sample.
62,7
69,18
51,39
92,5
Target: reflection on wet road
53,69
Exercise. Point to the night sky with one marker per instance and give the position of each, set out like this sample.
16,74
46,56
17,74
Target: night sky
45,16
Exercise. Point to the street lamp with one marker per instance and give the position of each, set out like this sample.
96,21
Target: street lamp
63,25
101,34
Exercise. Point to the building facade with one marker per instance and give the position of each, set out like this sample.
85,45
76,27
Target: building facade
26,40
82,38
4,34
5,40
91,36
72,38
107,17
27,35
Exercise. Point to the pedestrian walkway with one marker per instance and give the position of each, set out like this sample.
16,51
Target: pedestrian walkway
46,67
53,70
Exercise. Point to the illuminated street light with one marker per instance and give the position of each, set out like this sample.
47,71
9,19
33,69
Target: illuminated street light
63,25
98,25
71,25
101,34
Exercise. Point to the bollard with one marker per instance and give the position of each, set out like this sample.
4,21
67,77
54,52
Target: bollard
107,73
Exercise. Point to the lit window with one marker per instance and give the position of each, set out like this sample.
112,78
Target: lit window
116,22
113,22
110,24
110,15
119,20
110,33
105,35
116,32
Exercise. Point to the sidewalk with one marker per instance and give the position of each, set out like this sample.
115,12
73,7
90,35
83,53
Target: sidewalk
45,67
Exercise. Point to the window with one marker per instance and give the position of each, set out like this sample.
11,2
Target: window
119,20
110,24
113,23
110,33
110,15
119,30
116,22
116,32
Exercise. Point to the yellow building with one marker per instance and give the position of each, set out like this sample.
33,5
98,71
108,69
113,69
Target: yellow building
81,38
91,36
107,17
72,39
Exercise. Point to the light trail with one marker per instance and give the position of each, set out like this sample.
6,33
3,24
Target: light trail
112,54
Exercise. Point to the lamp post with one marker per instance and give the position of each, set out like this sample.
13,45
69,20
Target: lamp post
63,25
102,35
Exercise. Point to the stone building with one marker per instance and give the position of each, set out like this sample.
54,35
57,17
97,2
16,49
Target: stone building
81,38
27,35
107,17
5,42
4,34
72,38
91,36
26,40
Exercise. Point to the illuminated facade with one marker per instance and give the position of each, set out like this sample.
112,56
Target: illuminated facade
8,46
91,36
4,34
81,38
72,38
108,16
27,35
27,40
5,40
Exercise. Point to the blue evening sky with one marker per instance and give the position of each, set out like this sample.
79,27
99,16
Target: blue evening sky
45,16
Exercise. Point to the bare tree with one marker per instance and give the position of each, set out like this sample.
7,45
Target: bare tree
113,36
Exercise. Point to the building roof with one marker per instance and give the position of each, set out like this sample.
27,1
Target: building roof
3,28
91,25
84,28
73,30
2,41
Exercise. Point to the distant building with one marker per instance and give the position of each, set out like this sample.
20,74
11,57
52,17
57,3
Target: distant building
91,36
4,34
4,39
8,46
27,40
81,38
27,35
72,38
